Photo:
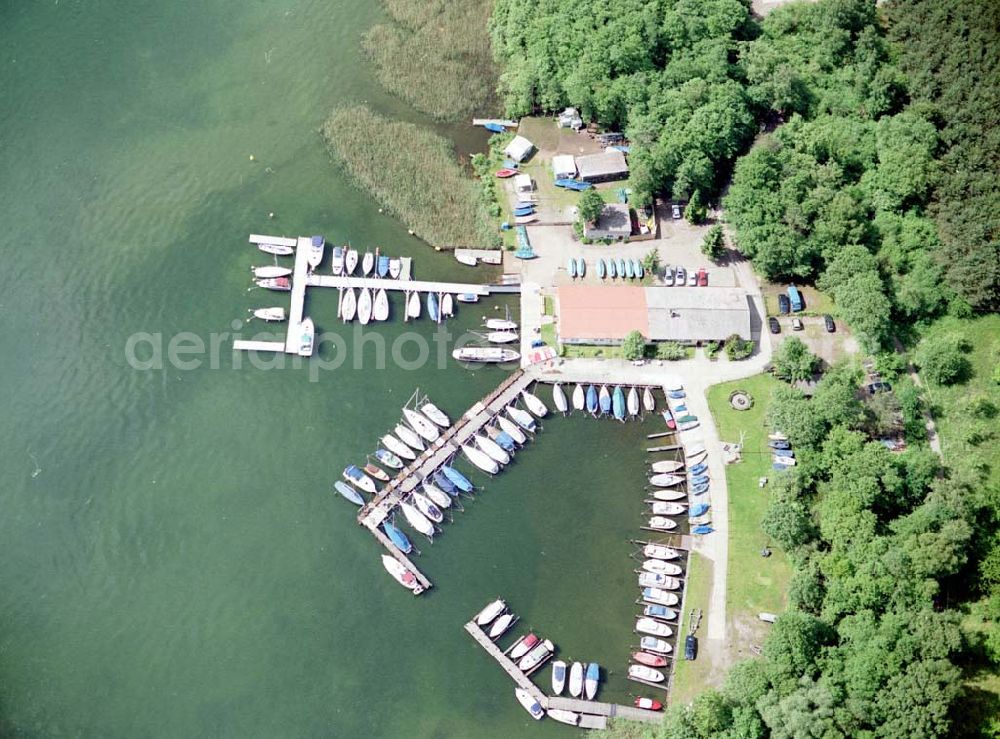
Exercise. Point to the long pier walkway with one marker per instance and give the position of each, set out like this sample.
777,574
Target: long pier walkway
379,283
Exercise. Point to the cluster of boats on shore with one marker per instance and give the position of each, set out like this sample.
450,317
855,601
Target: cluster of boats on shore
605,401
631,269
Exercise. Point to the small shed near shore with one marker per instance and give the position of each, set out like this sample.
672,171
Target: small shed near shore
564,166
518,149
523,183
604,167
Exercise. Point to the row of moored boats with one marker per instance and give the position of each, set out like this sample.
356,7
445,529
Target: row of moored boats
630,269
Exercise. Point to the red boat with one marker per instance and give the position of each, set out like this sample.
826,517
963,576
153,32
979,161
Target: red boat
505,173
649,704
652,660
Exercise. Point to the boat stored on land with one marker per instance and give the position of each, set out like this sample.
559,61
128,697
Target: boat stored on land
581,267
402,575
488,354
648,704
602,269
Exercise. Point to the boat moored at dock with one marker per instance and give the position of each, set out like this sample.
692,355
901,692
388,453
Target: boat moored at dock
563,716
422,425
307,337
397,537
278,284
397,447
652,644
591,680
521,418
534,404
646,625
315,256
490,612
480,459
409,437
511,428
435,414
646,674
349,493
576,680
579,398
275,314
354,475
417,520
402,575
658,551
558,676
529,703
271,271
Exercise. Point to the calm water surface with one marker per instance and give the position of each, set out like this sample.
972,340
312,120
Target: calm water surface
172,561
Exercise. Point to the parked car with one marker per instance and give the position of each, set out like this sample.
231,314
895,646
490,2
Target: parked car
537,343
668,277
772,323
828,322
797,324
692,279
784,304
675,212
690,647
702,277
879,387
681,276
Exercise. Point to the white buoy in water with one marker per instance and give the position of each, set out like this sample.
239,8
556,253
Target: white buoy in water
271,214
252,158
411,232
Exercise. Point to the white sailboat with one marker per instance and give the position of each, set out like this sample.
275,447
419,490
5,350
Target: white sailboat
667,465
409,437
490,612
435,414
365,306
367,263
349,305
668,494
413,305
666,480
397,447
402,575
559,398
350,261
494,450
395,266
645,673
480,459
271,271
380,311
563,716
500,324
662,523
662,568
426,506
521,418
652,580
576,680
512,429
658,551
421,425
536,406
440,498
278,250
666,508
276,314
502,337
579,398
447,305
646,625
648,402
417,520
633,402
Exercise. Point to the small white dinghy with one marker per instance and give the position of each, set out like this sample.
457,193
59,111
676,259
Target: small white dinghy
662,568
365,306
648,402
667,465
397,447
380,311
417,520
271,271
413,306
564,717
694,449
512,429
349,305
658,551
559,398
490,612
666,480
662,523
558,676
448,305
409,437
481,459
576,680
275,314
646,625
579,398
401,575
421,425
536,406
648,674
529,703
494,450
435,414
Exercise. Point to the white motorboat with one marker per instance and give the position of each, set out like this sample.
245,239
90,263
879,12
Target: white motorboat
501,625
416,519
666,480
307,338
529,703
493,354
694,449
276,314
662,523
579,398
667,465
278,250
646,625
521,418
502,337
534,404
490,612
426,506
409,437
500,324
576,680
558,676
668,494
535,657
512,429
658,551
521,646
350,261
413,306
271,271
349,305
645,673
281,284
380,310
421,425
664,508
494,450
365,306
337,261
367,263
395,267
563,716
435,414
663,582
464,257
633,402
648,402
661,568
440,498
660,597
402,575
447,305
652,644
316,247
559,398
481,459
397,447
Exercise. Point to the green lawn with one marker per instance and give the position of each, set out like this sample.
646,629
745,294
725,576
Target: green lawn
548,334
816,302
690,678
586,351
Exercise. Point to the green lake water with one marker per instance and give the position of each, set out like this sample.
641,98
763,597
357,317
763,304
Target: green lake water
172,560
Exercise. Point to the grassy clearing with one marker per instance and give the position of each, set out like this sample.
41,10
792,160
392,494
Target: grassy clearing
691,678
755,584
816,302
413,172
436,55
548,334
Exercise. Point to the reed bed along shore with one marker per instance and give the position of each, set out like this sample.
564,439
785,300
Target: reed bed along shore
435,54
413,173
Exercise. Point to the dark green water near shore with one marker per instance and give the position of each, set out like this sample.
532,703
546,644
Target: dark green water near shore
172,561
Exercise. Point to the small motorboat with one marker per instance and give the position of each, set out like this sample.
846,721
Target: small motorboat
432,307
665,508
458,479
633,402
280,284
602,269
652,644
668,495
662,568
648,704
315,256
648,674
354,475
666,466
590,681
571,267
496,452
658,551
521,418
481,459
592,403
563,716
612,269
668,418
490,612
506,172
467,298
485,354
417,520
402,575
653,627
511,428
397,447
422,425
648,402
581,267
349,305
649,659
348,492
534,404
666,480
661,612
397,537
576,679
337,266
529,703
435,414
494,127
276,314
365,306
604,400
413,305
409,437
271,271
438,496
307,337
502,337
464,257
395,267
558,676
661,523
536,656
501,625
618,403
380,309
426,506
522,646
375,472
653,580
278,250
350,261
500,324
382,266
388,459
579,398
447,305
559,398
367,263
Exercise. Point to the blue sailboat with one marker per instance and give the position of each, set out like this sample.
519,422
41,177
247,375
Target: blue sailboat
700,480
591,400
524,204
382,266
506,441
398,538
571,267
676,394
699,489
432,307
524,211
602,269
612,270
443,482
581,267
460,480
618,403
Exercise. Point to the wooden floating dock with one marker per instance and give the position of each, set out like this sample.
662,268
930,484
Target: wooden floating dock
607,710
508,665
376,283
259,346
276,240
668,448
294,335
506,123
